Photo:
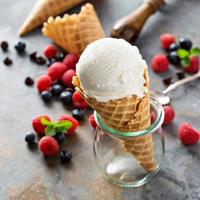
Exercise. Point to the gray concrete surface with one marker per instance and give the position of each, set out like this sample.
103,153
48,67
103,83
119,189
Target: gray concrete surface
24,174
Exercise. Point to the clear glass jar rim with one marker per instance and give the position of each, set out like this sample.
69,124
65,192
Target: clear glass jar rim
158,109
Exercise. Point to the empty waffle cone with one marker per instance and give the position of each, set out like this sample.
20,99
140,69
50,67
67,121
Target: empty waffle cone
127,115
75,32
43,10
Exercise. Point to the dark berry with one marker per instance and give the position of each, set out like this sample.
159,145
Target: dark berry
60,137
65,156
40,60
70,89
29,81
20,47
66,97
50,61
33,56
46,96
173,58
30,138
185,43
167,81
174,47
78,114
56,89
4,46
180,75
60,56
7,61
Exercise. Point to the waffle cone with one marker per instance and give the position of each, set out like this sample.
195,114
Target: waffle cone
75,32
43,9
127,115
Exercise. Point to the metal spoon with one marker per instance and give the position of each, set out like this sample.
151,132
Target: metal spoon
163,98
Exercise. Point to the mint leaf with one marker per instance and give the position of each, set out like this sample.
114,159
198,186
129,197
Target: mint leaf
61,130
45,122
195,51
182,53
50,131
185,61
63,124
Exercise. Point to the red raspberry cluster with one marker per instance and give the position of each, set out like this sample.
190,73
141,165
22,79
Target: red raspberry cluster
179,53
187,134
57,82
52,135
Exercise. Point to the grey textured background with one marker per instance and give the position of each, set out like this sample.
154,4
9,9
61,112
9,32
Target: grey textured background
24,174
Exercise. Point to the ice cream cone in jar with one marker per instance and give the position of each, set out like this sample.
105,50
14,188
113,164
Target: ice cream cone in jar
113,78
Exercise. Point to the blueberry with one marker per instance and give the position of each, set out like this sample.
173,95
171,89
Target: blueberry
50,61
60,56
185,43
65,156
4,46
173,58
78,114
66,97
70,89
20,47
174,47
60,137
30,138
56,89
46,96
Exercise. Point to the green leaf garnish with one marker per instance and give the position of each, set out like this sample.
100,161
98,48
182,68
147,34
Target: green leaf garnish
185,61
65,123
45,122
62,126
182,53
50,131
195,51
54,128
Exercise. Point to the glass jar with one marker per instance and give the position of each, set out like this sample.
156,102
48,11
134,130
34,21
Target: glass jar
121,166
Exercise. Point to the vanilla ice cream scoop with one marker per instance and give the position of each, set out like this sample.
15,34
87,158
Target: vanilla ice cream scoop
111,69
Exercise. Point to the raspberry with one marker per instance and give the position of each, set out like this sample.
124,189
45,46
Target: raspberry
56,70
169,114
78,101
75,123
67,77
92,121
48,146
187,134
166,40
159,63
50,51
70,60
37,126
43,83
194,65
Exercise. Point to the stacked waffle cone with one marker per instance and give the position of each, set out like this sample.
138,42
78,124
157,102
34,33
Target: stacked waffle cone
127,115
43,9
75,32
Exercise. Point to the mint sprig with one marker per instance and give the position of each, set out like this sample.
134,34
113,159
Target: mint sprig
185,62
50,131
52,128
182,53
185,55
195,51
